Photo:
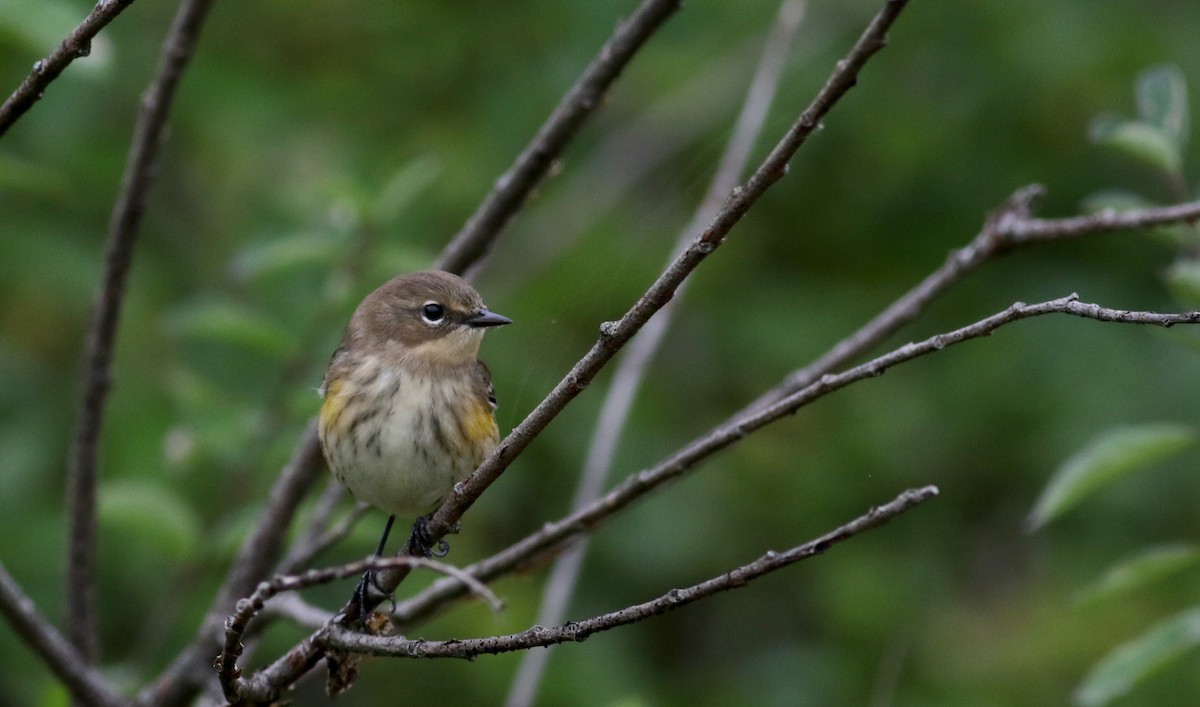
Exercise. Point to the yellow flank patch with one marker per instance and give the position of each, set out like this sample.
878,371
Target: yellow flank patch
479,424
334,403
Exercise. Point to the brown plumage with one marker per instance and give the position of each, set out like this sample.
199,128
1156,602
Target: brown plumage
408,408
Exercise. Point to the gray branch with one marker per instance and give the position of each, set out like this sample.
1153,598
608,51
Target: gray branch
340,638
83,682
1009,227
631,369
551,535
581,101
123,228
77,44
302,657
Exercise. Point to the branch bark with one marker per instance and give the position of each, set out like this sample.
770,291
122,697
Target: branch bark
175,685
1011,226
234,687
552,534
259,552
123,229
82,682
561,582
514,186
77,44
337,637
614,335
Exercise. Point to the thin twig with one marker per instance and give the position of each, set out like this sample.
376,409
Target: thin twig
1020,231
176,684
337,637
320,535
302,657
1011,226
615,168
82,681
123,229
631,369
259,552
614,335
246,609
739,426
531,166
77,44
298,611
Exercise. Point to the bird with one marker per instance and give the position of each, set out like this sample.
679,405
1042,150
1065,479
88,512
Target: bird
408,407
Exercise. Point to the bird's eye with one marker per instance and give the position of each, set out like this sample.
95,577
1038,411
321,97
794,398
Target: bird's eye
433,312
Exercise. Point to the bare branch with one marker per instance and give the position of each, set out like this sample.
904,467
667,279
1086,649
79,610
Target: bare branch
308,652
235,688
739,426
123,229
320,534
259,552
614,335
298,611
175,685
514,186
1010,226
1019,231
83,682
343,639
560,584
77,44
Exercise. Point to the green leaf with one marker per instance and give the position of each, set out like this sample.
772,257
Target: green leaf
1162,102
403,188
1131,663
151,514
230,323
1114,454
1141,569
281,256
1183,277
1140,140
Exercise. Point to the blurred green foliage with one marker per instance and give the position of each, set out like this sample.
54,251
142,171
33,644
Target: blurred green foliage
1158,137
318,148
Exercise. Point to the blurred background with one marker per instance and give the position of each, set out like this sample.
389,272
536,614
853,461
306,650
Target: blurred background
317,149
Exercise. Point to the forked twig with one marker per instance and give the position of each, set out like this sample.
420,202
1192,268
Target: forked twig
343,639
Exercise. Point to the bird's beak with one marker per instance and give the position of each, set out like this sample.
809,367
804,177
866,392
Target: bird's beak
485,318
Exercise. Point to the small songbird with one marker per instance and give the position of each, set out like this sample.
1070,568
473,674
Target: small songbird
409,407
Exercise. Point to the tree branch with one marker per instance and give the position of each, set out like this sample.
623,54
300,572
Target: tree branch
237,689
320,535
308,652
123,229
560,584
1010,226
739,426
174,686
83,682
259,552
1015,230
337,637
77,44
531,166
614,335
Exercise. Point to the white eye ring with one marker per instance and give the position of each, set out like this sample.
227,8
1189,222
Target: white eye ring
433,313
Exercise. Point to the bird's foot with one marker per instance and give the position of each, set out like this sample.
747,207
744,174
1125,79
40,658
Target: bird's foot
421,542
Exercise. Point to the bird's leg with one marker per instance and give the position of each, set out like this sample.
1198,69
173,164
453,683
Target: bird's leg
367,582
420,542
